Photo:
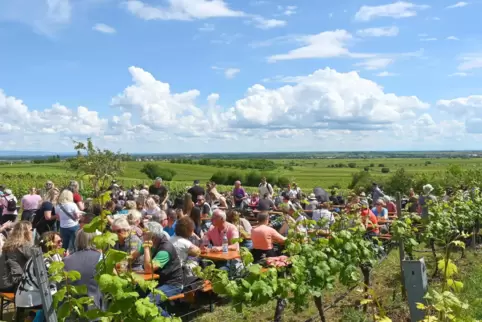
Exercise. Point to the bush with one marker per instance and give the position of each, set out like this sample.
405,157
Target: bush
220,177
381,165
385,170
366,169
352,165
152,171
251,179
372,165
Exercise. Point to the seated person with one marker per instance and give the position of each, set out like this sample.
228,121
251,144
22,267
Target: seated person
265,204
324,214
369,220
28,292
390,205
134,218
263,237
379,210
243,225
219,228
292,216
160,257
184,247
127,241
254,201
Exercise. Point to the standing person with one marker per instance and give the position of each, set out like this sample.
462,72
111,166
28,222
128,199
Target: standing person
425,200
188,204
294,191
9,203
74,187
157,188
30,204
239,194
215,198
46,219
196,190
265,188
377,193
196,218
69,215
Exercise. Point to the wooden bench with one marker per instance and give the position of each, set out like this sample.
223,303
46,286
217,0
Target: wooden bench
189,296
6,298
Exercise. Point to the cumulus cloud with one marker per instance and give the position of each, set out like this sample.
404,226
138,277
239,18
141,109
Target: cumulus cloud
379,32
397,10
103,28
324,99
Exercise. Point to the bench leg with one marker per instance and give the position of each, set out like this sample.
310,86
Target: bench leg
211,305
1,312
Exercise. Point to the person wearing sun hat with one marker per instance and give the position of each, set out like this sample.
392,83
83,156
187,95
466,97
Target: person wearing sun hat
313,203
425,200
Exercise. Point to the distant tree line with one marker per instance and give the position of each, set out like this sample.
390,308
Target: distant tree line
252,178
258,164
51,159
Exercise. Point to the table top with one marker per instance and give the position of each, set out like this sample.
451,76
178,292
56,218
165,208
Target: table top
384,221
147,276
220,256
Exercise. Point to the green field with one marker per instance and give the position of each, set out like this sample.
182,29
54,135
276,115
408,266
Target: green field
306,172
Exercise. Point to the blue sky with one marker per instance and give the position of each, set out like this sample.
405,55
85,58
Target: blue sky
255,75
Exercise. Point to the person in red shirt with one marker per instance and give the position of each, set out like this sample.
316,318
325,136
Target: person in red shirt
369,219
74,187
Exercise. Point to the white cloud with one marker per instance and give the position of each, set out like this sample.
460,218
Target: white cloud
45,16
378,32
207,27
263,23
323,45
458,5
287,10
460,74
470,61
375,63
324,99
429,39
183,10
230,73
468,109
397,10
452,38
103,28
186,10
386,74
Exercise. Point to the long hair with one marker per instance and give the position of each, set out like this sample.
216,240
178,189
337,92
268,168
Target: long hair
47,241
187,204
21,235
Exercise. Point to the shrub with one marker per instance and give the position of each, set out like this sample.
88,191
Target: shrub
366,169
220,177
385,170
381,165
352,165
152,171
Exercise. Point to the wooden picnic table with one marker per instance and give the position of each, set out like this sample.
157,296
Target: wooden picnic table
220,256
385,221
147,276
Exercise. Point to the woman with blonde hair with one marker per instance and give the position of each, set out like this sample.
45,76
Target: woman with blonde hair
74,187
16,251
151,208
69,215
217,198
46,218
187,204
134,218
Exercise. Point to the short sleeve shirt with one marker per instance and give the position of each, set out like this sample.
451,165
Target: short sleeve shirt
160,259
216,236
77,197
182,246
263,237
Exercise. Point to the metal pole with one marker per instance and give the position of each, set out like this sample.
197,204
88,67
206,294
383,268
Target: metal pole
401,248
43,281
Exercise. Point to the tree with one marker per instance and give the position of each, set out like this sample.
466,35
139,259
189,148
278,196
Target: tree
400,181
385,170
153,171
352,165
100,166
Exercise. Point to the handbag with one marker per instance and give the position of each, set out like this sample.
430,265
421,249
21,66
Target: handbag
71,216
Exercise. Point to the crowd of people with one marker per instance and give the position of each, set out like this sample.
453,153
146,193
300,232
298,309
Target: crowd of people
166,236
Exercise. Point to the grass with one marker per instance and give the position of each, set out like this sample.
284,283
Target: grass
306,172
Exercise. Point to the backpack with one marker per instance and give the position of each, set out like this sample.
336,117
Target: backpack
11,204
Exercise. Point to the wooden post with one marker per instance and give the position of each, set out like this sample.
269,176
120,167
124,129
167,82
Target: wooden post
43,282
400,246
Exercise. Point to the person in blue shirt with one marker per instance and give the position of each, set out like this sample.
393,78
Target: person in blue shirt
379,210
171,222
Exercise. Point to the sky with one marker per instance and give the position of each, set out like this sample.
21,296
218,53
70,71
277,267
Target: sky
170,76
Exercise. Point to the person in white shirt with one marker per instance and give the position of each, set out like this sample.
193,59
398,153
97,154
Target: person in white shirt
294,192
265,188
323,214
184,247
69,215
9,203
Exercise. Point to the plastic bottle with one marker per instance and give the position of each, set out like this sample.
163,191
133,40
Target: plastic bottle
225,243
